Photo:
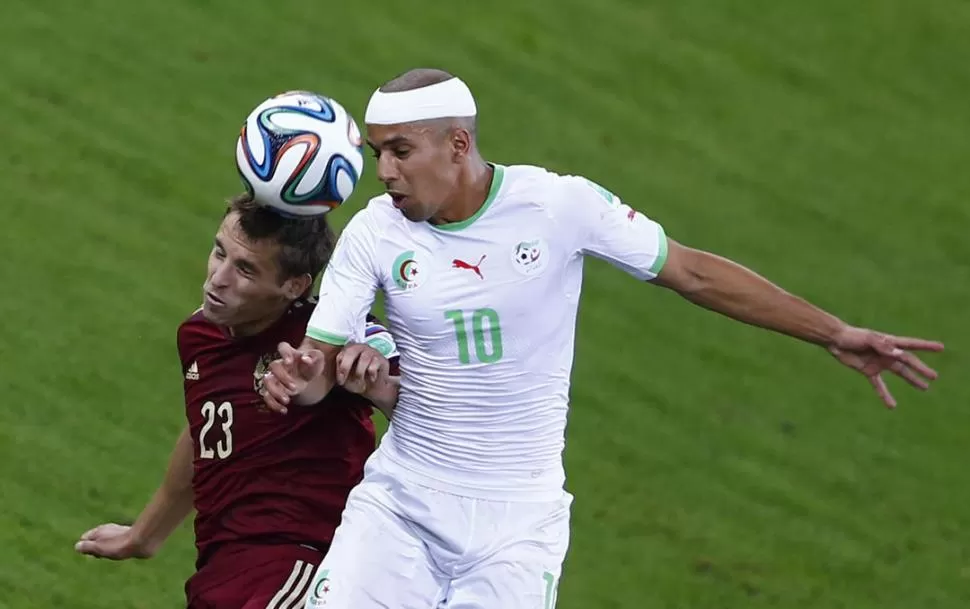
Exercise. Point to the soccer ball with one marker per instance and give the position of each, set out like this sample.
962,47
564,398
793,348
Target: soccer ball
300,153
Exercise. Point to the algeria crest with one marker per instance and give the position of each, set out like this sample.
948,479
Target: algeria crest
530,257
408,271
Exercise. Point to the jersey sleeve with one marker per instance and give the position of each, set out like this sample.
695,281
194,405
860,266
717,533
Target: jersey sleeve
381,339
348,286
604,227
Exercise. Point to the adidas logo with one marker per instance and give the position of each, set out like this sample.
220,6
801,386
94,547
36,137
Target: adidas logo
193,373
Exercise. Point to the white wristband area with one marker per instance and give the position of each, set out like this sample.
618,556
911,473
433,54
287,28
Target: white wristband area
449,99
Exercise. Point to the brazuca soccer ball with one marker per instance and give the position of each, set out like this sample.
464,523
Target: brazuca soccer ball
300,153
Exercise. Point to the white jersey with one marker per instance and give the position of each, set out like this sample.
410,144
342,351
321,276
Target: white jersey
484,314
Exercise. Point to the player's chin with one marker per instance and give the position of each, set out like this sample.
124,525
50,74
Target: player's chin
216,314
415,213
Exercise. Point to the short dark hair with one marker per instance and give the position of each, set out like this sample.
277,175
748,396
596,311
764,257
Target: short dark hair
415,79
306,244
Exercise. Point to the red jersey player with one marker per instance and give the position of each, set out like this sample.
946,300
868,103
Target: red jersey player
268,490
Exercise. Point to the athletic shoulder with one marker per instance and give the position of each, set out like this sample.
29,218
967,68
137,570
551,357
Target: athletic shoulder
196,325
526,179
546,187
195,332
194,318
377,214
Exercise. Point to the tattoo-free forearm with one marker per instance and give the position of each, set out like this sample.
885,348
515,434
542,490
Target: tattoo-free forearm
383,394
728,288
172,502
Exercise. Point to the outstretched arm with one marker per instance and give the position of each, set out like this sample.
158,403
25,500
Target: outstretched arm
167,509
608,229
729,288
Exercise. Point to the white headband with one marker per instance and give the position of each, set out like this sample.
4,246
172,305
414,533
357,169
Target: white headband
448,99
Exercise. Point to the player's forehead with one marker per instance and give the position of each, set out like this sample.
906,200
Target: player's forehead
388,136
233,239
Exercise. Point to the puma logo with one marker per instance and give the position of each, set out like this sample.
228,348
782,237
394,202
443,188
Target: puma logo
475,268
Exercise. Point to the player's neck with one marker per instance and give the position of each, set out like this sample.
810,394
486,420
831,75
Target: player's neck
471,192
254,327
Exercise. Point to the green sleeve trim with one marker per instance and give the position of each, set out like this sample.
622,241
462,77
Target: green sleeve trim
326,337
658,264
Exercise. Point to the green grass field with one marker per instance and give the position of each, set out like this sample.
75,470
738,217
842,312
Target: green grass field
715,466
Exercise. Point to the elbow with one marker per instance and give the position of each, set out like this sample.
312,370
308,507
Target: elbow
694,282
687,271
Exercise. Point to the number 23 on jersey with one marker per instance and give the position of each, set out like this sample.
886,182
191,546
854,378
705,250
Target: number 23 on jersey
212,414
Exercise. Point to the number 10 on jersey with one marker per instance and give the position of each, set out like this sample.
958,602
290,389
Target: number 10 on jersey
486,334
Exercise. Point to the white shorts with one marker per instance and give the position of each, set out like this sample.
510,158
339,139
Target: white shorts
401,545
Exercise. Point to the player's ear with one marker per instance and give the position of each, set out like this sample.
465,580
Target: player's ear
294,287
460,143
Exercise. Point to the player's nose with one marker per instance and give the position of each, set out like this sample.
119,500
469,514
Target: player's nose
219,277
386,170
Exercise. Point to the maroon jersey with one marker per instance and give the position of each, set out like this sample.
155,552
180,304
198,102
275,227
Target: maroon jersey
261,477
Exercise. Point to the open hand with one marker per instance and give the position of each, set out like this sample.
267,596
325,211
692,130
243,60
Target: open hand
872,353
289,375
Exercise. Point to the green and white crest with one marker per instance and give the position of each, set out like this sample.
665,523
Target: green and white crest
406,271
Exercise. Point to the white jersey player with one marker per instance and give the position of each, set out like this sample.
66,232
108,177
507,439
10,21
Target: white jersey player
463,504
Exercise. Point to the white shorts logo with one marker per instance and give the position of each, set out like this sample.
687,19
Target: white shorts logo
321,589
530,257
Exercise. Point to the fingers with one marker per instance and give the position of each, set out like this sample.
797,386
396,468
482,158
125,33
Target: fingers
895,348
106,530
910,376
299,364
362,370
908,360
360,363
98,541
91,533
882,390
913,379
285,373
379,367
287,353
916,344
105,549
346,360
311,364
884,345
85,547
290,376
90,548
275,395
